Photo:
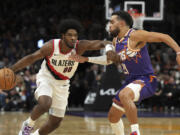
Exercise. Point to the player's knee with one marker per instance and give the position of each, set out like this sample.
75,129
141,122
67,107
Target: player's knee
45,103
112,117
124,96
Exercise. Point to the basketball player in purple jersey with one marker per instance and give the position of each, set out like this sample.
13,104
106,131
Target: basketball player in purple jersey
54,75
130,50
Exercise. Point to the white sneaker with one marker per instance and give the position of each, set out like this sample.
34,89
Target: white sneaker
25,129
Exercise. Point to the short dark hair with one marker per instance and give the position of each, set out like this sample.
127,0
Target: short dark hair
124,16
67,24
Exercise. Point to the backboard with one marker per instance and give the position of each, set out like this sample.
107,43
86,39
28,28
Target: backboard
148,10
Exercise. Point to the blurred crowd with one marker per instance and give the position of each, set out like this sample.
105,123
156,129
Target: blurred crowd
22,25
168,74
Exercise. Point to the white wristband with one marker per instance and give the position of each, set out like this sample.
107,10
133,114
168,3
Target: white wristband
102,60
178,53
109,47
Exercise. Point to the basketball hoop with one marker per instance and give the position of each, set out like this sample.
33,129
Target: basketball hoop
138,18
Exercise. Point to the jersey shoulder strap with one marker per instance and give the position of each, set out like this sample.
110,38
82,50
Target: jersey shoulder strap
56,43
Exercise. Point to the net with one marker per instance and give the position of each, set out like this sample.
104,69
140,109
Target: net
138,18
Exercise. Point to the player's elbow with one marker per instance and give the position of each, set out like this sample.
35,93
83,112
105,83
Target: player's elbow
164,37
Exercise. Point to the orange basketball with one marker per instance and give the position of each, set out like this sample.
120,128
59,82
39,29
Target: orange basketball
7,79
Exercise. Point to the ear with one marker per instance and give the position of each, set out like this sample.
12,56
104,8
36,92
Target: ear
122,23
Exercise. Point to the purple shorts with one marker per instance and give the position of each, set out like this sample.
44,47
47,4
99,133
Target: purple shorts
148,89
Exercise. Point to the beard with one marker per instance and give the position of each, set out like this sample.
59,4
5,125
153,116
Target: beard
69,45
115,32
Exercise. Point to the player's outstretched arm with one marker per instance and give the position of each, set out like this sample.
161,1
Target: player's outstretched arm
145,36
102,60
85,45
31,58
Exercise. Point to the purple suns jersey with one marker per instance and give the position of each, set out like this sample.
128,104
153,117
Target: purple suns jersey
135,62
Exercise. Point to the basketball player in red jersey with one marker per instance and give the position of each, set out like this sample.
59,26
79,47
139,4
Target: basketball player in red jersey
54,76
130,50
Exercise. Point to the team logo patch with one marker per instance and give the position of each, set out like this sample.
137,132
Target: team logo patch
130,53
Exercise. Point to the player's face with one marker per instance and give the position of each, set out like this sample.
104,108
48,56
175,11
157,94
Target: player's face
114,27
70,38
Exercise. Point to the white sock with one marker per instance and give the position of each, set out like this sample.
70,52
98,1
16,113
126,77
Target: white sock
30,122
36,132
118,128
135,128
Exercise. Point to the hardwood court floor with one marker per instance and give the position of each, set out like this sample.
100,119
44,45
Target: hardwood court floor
10,123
